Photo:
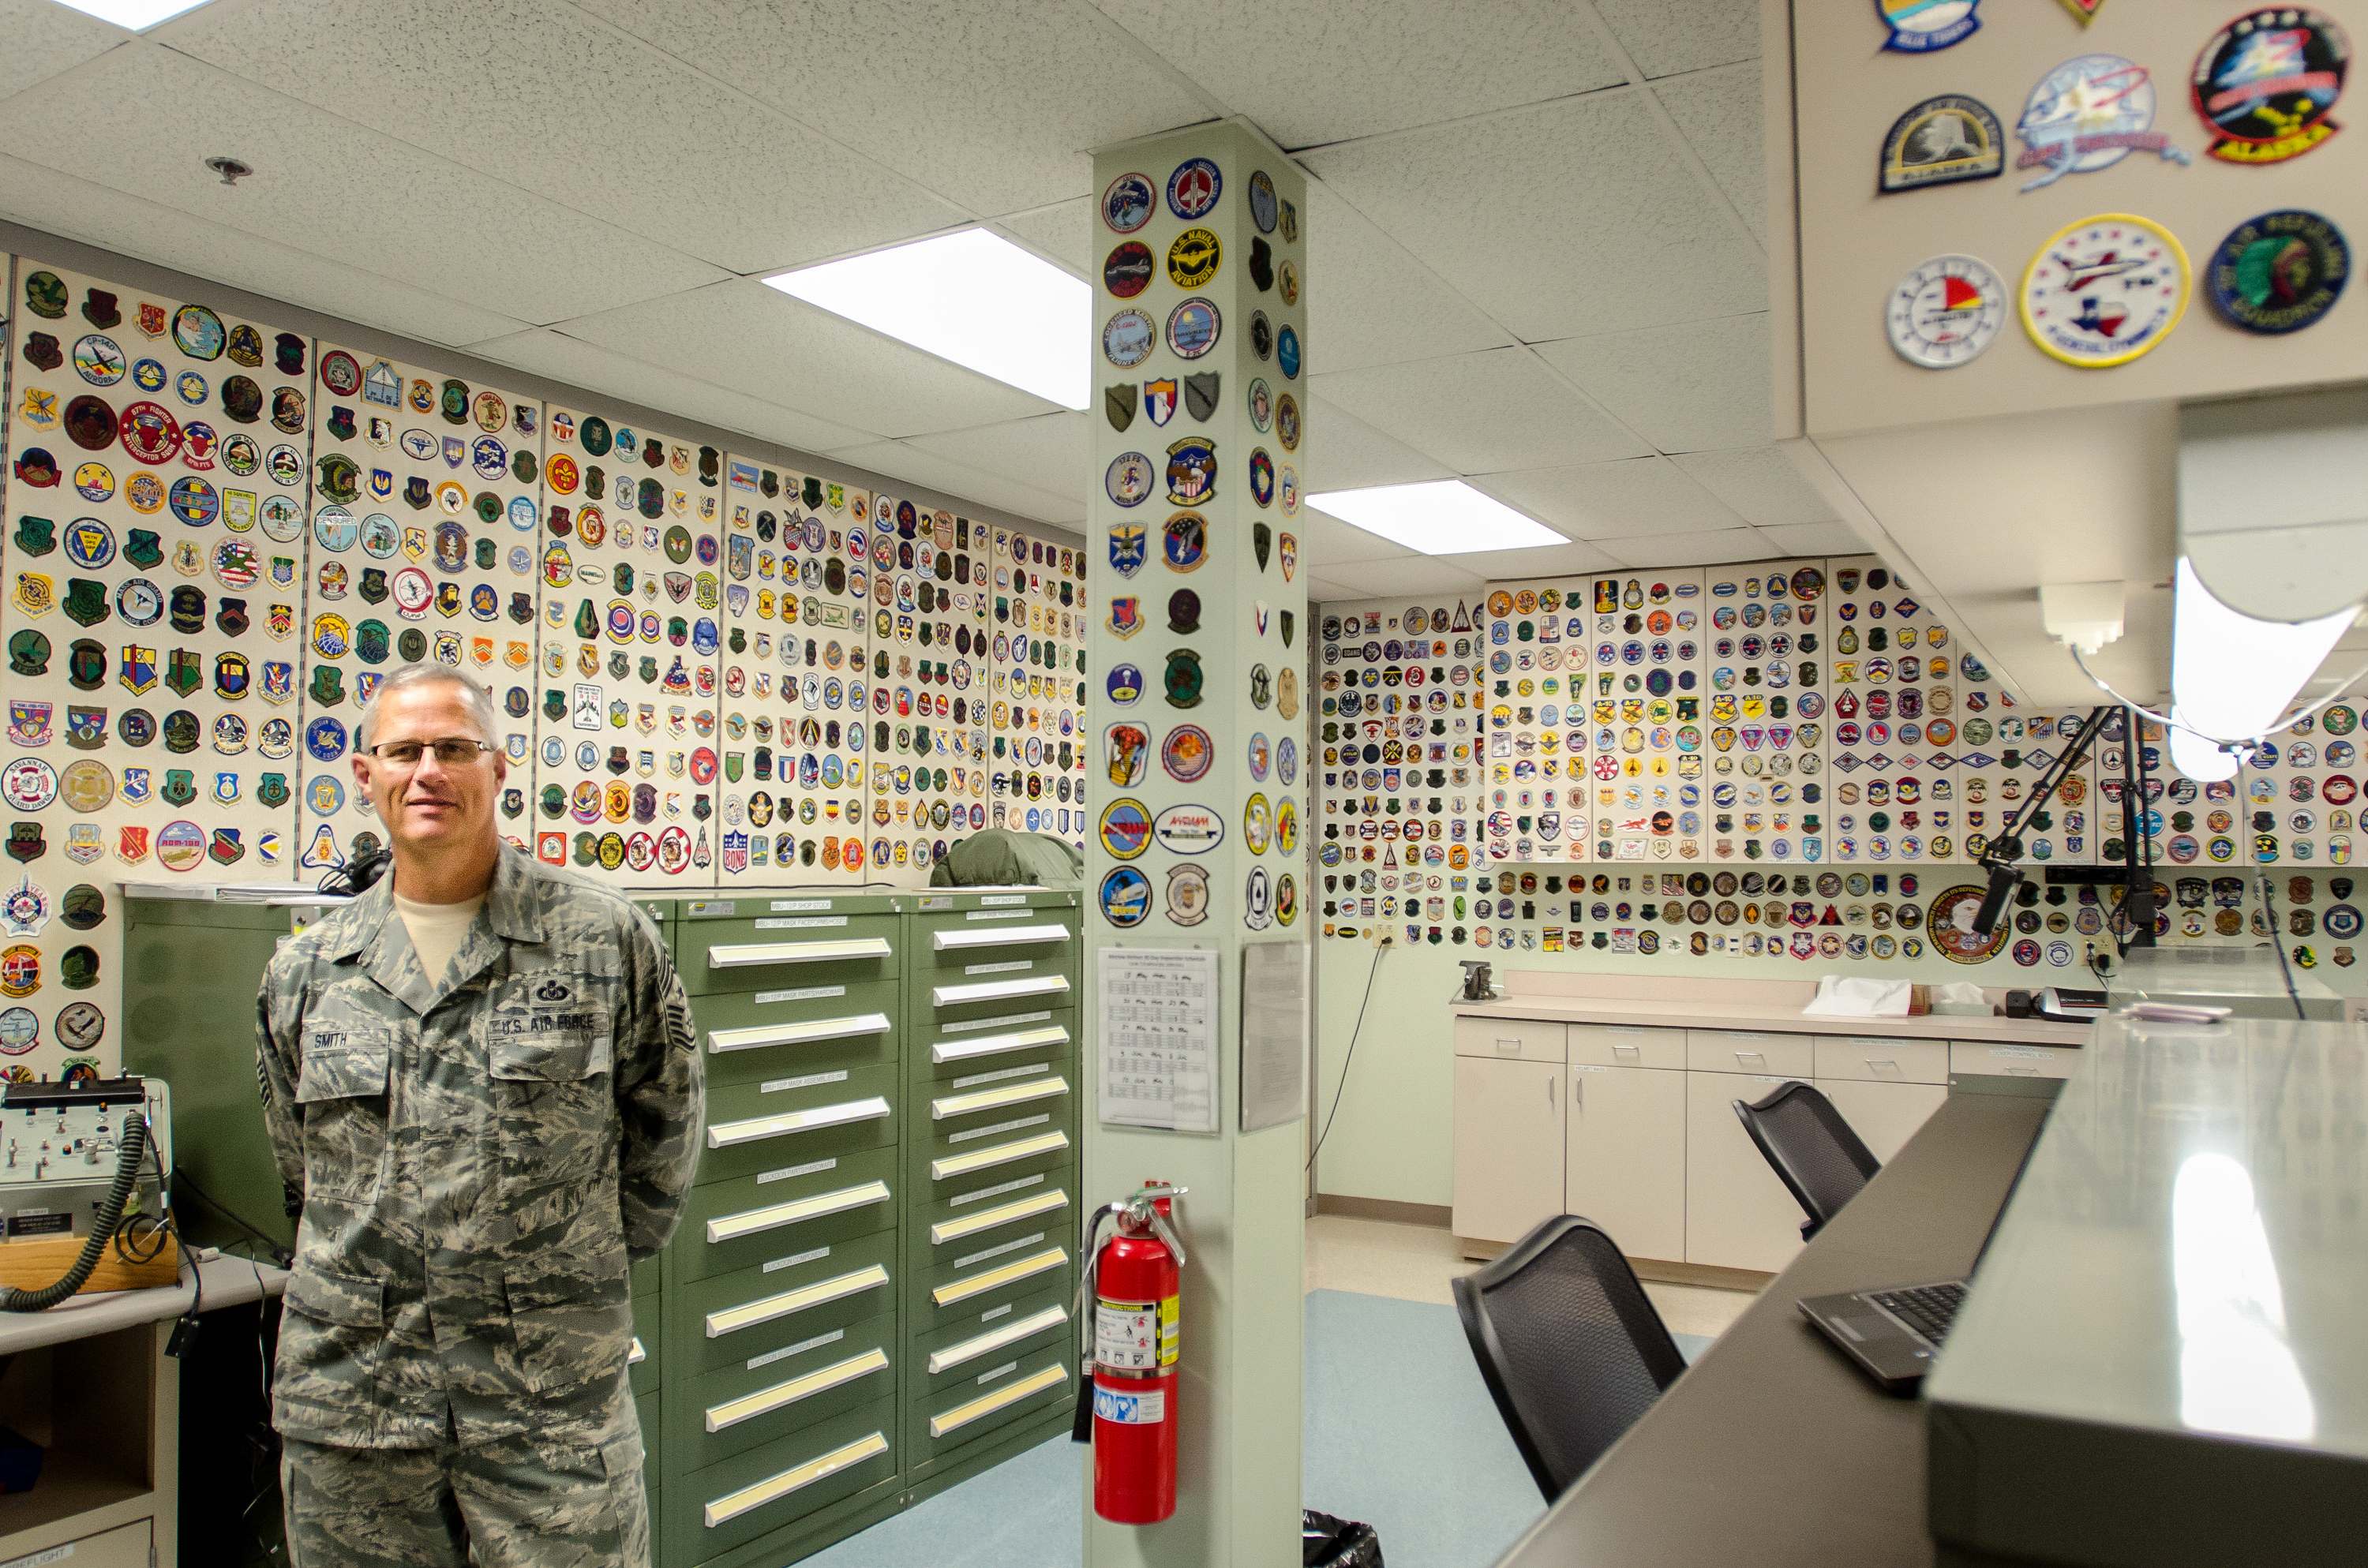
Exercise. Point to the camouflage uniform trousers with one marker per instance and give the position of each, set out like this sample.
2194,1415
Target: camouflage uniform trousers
527,1501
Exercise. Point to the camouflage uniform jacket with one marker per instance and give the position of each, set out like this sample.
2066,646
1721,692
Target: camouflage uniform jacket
481,1159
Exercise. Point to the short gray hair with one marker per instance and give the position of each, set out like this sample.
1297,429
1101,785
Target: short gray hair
480,701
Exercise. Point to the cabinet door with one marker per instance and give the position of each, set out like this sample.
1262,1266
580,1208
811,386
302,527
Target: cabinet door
1508,1146
1884,1116
1738,1215
1626,1166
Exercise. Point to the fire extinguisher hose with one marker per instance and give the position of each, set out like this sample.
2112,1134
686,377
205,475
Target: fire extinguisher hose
1081,1428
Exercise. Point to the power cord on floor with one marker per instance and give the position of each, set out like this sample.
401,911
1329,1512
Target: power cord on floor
1346,1062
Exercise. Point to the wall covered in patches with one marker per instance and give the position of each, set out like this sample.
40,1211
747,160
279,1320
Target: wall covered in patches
1784,768
713,666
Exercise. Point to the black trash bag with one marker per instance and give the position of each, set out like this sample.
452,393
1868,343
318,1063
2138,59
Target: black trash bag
1327,1542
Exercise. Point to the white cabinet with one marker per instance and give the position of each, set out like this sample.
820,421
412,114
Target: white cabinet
1508,1145
1738,1215
1625,1166
1883,1115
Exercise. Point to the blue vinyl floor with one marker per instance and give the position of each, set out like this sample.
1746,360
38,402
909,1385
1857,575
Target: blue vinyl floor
1400,1433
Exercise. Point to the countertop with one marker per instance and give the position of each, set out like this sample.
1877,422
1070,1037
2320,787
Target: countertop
229,1281
1706,1015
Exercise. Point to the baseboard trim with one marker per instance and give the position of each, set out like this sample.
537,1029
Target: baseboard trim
1704,1274
1436,1216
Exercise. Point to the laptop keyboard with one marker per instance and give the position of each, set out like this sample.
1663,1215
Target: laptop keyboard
1927,1309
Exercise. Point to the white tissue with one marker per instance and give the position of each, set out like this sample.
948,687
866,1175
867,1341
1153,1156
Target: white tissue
1855,998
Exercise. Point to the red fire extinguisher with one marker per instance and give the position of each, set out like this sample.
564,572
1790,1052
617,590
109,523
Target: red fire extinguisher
1127,1394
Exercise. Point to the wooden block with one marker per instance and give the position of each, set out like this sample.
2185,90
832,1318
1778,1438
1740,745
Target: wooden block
37,1261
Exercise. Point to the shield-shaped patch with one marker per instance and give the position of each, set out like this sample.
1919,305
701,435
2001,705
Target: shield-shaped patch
1200,394
1159,399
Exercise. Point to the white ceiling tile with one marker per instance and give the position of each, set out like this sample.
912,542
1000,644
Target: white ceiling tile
1719,113
1665,37
1611,500
1065,233
1688,549
1343,452
1371,304
549,353
1052,453
1620,233
46,39
1479,413
759,341
1322,590
1417,574
597,122
327,186
1326,541
1333,69
61,204
1689,389
993,104
1814,539
1760,482
958,482
1544,560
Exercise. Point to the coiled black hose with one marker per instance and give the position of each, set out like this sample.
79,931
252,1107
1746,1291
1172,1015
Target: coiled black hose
134,1139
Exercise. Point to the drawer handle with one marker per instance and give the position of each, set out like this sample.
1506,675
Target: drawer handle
1010,936
1877,1063
755,1221
947,1050
963,1414
1740,1055
996,1279
971,1224
748,1315
1508,1047
999,990
781,1396
1001,1153
638,1354
773,1488
727,1134
720,1040
2024,1072
987,1344
742,955
995,1099
1631,1050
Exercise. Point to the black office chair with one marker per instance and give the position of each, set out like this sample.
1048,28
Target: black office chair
1813,1150
1569,1344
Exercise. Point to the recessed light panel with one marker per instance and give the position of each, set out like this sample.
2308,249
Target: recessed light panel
1443,517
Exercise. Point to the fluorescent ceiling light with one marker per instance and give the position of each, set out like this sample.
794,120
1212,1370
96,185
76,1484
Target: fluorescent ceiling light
2232,676
1442,516
971,297
135,15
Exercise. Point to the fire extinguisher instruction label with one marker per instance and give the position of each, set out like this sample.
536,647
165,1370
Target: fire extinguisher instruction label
1126,1335
1171,1330
1147,1409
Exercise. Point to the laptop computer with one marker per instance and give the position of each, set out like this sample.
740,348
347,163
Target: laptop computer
1893,1332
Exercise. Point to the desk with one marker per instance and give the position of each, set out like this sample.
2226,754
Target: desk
1773,1450
89,1381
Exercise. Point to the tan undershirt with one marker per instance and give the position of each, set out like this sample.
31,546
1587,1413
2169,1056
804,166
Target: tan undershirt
438,930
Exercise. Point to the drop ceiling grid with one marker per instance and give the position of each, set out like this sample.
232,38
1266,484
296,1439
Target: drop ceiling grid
582,115
46,39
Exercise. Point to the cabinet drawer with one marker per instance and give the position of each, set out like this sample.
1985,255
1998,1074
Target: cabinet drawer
1009,986
951,1047
1880,1060
786,951
734,1408
1627,1045
765,1034
957,1352
997,1396
733,1319
958,1291
953,1119
649,1411
1749,1050
1528,1039
643,1360
649,1275
945,947
747,1221
790,1122
1975,1057
734,1500
951,1182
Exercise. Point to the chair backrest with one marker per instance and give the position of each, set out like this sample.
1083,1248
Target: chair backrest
1569,1344
1813,1150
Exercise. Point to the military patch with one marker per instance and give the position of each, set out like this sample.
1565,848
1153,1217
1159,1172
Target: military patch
2105,291
24,909
2279,272
1128,339
1126,271
1193,328
1184,678
2266,83
1920,27
1193,257
1128,203
1185,541
1943,140
2089,114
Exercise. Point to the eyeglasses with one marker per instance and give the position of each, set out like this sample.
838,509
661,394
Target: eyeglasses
453,751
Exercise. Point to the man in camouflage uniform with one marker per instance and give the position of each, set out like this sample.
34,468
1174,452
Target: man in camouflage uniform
480,1155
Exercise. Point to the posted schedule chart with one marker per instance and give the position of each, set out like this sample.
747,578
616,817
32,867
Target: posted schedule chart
1158,1018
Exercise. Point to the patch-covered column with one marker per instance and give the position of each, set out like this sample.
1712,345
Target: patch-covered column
1197,610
